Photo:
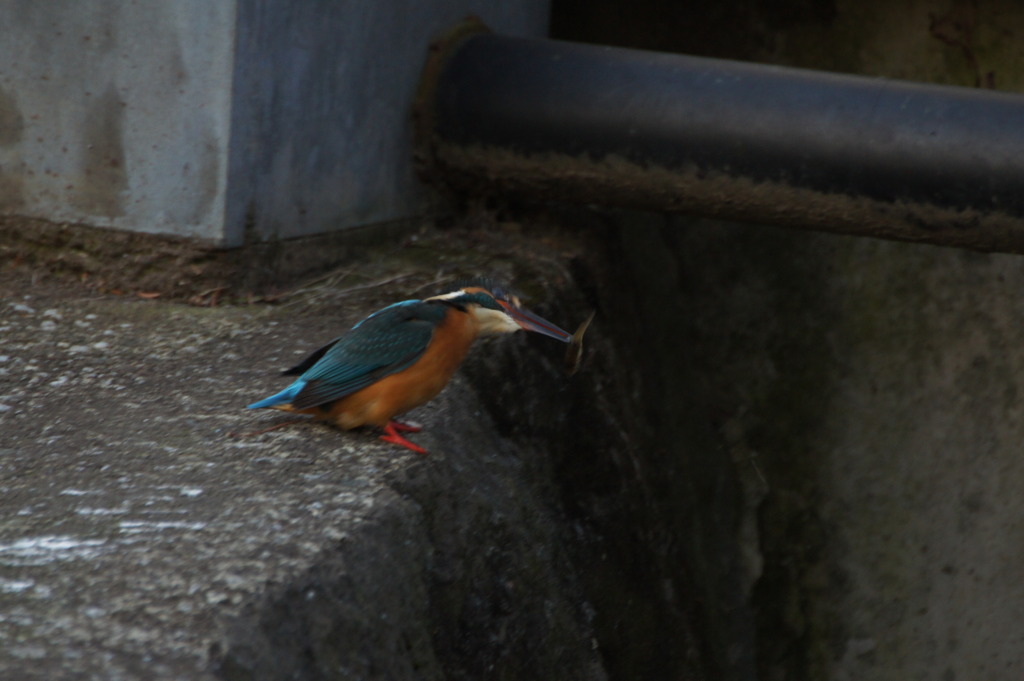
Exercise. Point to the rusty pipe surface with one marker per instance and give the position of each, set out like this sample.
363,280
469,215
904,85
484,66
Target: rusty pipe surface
553,120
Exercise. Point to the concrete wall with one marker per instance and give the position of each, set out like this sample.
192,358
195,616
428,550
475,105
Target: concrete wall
224,121
116,114
953,42
321,136
867,393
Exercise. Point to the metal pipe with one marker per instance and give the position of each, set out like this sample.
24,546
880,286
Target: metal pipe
870,156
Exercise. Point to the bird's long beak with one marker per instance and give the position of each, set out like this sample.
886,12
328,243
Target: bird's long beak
531,322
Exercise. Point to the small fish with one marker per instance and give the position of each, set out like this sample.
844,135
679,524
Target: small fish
574,353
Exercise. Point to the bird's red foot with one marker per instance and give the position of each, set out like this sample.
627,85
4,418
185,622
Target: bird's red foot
392,434
406,426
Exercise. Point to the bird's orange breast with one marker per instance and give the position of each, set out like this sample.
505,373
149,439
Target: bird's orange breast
398,393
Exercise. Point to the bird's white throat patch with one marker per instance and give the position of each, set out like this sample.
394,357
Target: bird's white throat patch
492,322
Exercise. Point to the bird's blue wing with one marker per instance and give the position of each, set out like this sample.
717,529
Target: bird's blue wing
306,364
384,343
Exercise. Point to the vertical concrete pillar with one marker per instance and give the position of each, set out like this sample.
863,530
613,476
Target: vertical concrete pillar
228,121
116,114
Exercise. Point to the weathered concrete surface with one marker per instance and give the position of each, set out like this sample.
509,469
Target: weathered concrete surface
868,396
228,122
139,540
117,115
958,43
788,456
321,125
182,269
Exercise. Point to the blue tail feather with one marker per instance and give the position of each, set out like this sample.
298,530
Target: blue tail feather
284,397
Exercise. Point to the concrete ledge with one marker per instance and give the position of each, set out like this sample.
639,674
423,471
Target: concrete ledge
141,541
183,269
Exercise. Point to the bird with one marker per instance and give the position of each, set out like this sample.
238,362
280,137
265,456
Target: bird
401,357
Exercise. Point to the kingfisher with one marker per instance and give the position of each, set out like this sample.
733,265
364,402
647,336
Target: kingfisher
401,357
